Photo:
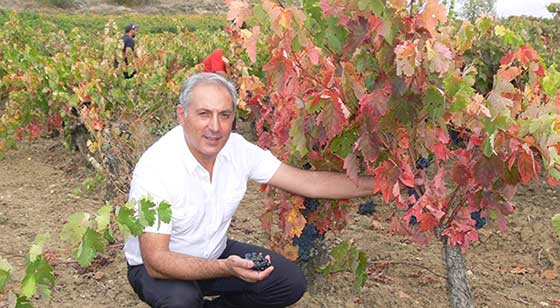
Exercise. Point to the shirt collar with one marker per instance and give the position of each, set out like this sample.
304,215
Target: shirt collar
190,161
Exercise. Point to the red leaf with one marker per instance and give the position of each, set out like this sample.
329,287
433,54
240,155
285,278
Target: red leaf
460,174
509,73
527,54
351,165
433,13
385,180
332,119
34,129
486,170
281,74
251,44
440,150
406,175
359,32
526,166
238,10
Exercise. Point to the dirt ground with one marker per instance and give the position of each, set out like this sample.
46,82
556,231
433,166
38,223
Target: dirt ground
42,184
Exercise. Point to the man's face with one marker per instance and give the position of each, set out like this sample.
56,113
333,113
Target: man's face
208,122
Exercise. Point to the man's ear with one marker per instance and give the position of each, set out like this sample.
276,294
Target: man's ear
180,114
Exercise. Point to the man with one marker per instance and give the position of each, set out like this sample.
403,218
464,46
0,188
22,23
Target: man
128,49
201,168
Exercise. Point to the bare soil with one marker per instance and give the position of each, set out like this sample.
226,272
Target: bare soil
41,184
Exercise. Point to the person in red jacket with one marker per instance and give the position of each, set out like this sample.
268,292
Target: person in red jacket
215,63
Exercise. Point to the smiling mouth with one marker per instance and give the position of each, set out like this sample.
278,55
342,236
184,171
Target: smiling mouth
212,138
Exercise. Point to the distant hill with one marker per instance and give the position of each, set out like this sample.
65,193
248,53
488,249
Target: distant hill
110,6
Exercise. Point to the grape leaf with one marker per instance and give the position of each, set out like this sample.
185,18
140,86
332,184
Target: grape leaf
406,58
127,223
527,166
21,301
164,212
342,145
487,169
38,274
37,248
5,274
103,217
351,165
295,222
238,10
74,229
332,119
146,212
297,138
433,13
439,57
91,244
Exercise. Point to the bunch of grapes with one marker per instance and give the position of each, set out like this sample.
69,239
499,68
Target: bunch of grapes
261,263
306,240
366,208
480,221
423,163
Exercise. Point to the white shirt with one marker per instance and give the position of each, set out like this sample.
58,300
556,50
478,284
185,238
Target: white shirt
201,209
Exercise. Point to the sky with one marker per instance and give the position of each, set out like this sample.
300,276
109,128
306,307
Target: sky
505,8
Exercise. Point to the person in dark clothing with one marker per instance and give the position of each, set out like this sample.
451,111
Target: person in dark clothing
128,49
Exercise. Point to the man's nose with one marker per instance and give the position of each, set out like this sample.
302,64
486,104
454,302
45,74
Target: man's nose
214,124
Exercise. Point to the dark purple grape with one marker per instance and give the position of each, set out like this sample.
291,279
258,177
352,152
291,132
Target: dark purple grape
480,221
423,163
367,208
261,263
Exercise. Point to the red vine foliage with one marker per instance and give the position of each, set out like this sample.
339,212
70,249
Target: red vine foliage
370,87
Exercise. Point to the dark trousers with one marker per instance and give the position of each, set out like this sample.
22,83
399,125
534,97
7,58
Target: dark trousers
285,285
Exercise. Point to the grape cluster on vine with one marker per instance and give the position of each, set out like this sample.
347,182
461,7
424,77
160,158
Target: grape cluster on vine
306,240
367,208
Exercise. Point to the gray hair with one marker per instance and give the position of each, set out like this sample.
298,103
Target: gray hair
205,79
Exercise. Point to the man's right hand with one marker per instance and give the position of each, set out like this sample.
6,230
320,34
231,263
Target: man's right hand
243,269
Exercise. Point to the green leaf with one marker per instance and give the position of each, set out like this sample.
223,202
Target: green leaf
103,217
435,104
342,145
5,274
551,82
92,243
37,248
360,271
38,274
127,222
556,223
22,301
375,6
147,213
492,126
339,261
164,212
335,35
297,138
488,146
74,229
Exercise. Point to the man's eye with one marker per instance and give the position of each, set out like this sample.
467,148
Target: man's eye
226,115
